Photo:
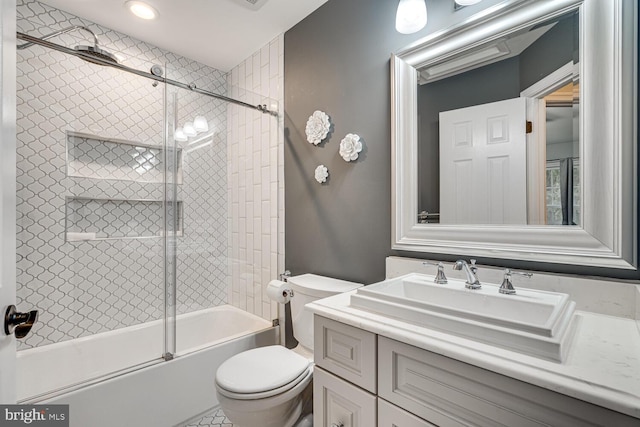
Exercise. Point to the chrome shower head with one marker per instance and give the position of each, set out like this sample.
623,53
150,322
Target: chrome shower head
90,52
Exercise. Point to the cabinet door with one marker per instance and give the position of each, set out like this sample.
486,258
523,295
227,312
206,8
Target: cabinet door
452,393
346,351
391,416
337,403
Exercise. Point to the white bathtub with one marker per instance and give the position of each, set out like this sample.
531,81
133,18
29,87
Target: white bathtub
156,393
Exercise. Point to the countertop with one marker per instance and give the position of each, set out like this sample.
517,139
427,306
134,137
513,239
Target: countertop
602,366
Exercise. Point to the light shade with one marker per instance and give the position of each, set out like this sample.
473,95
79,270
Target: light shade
200,124
467,2
141,9
411,16
189,130
179,135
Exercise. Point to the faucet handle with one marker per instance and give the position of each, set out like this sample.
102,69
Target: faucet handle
474,267
507,286
440,278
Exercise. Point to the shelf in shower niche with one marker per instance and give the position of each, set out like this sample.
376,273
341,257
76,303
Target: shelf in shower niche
106,219
96,157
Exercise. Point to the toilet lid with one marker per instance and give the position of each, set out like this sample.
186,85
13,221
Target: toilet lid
261,369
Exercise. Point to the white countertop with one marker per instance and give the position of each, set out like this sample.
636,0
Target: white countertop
602,366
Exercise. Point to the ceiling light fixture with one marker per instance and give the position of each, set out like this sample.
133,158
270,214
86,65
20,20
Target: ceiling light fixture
141,9
463,3
411,16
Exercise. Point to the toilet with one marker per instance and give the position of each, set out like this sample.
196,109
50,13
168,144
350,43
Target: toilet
271,386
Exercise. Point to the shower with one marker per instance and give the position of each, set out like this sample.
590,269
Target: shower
124,235
89,53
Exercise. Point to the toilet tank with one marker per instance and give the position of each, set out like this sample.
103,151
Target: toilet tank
308,288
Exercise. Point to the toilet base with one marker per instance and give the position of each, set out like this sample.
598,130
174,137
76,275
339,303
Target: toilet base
258,413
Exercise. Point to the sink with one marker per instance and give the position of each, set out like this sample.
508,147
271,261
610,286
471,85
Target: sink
532,322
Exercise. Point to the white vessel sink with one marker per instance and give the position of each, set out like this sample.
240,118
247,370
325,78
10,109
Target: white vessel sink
532,322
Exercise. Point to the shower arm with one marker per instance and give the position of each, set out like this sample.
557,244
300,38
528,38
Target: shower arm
192,87
59,32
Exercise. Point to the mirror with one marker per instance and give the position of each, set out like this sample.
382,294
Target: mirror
566,197
465,176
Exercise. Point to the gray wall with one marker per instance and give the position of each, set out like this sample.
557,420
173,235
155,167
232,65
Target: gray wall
337,60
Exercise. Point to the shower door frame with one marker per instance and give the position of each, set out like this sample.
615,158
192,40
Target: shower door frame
8,194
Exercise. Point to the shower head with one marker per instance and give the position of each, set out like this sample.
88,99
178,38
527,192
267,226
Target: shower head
90,52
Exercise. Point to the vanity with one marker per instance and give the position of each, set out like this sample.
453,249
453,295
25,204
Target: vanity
397,370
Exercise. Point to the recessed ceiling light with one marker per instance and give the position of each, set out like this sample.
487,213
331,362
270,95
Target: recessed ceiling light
141,9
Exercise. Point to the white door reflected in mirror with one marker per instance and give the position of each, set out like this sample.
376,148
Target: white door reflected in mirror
483,164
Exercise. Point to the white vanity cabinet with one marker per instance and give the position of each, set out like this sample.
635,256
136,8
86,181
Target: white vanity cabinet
345,375
362,380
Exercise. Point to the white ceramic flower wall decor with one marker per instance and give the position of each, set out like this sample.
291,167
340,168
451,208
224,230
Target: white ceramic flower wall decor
322,173
318,127
350,146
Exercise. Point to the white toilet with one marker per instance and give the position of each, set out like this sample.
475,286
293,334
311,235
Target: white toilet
271,386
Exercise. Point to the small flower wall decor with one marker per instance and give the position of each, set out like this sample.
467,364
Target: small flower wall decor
322,173
350,146
317,127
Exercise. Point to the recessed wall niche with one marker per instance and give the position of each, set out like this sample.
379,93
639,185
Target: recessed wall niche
100,219
91,156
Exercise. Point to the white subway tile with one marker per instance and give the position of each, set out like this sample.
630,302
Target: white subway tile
273,262
274,206
264,55
274,69
266,242
249,239
257,235
274,235
266,222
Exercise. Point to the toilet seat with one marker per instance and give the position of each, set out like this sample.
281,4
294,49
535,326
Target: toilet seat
262,372
305,377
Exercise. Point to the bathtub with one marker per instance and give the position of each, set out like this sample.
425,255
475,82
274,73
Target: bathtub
128,383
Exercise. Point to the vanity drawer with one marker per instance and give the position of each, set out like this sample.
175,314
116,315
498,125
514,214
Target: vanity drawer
337,403
346,351
391,416
451,393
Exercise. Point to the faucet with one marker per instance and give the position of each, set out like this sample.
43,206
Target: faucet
470,270
440,278
507,287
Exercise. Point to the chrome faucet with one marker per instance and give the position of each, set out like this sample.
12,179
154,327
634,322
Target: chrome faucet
507,287
440,278
470,270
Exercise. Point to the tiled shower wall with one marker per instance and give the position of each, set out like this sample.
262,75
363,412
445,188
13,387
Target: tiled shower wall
87,287
256,181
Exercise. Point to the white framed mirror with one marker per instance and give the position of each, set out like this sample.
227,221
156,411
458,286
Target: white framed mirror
602,231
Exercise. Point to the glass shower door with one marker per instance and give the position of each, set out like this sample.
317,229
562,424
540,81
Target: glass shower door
91,216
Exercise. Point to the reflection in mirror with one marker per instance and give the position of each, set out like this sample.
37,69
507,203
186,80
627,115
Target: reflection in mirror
498,130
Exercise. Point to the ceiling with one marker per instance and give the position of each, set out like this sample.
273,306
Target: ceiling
218,33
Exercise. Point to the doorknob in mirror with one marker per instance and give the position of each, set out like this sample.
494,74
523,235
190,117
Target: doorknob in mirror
20,323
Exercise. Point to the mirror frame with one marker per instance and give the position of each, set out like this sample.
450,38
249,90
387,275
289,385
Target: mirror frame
608,58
